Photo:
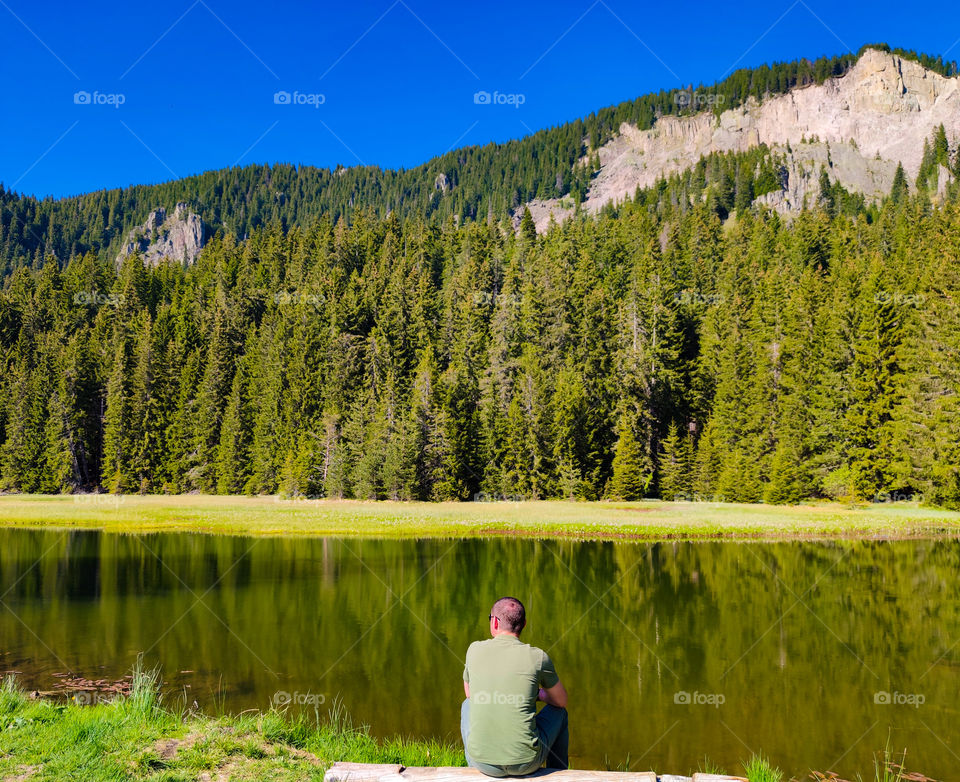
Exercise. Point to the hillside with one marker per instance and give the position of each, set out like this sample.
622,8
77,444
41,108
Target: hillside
857,126
632,354
621,146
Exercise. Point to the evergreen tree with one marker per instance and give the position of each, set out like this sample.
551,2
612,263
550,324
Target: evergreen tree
674,465
233,453
631,469
875,391
900,190
118,424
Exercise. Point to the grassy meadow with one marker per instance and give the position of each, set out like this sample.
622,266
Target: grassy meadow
646,520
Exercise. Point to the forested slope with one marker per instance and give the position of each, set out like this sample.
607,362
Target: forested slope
655,349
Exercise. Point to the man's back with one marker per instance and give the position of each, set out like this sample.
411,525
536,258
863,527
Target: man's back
505,675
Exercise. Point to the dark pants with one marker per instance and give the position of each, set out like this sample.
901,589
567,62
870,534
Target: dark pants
554,736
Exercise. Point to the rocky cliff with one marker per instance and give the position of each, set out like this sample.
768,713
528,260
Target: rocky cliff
877,115
178,237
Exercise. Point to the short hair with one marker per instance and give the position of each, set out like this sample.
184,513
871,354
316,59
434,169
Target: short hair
511,614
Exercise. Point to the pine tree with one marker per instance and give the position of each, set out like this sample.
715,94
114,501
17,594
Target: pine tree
743,198
118,424
674,466
570,434
22,450
427,446
631,469
927,175
461,471
211,395
900,190
233,452
268,448
875,392
526,466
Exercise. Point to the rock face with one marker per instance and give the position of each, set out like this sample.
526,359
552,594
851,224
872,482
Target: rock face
178,237
876,115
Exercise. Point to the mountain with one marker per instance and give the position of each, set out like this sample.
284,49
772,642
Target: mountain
857,126
600,159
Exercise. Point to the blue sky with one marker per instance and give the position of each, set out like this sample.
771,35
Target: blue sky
112,94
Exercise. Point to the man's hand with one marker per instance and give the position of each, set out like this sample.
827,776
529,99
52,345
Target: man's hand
554,696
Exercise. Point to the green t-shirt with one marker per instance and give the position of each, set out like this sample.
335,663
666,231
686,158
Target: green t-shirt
504,675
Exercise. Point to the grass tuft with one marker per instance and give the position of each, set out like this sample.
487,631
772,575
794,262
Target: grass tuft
707,766
759,769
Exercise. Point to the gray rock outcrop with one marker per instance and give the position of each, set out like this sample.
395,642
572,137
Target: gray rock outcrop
177,237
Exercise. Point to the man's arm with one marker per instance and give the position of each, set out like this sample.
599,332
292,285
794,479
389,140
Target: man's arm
554,696
466,688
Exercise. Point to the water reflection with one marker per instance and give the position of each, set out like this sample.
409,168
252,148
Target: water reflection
670,651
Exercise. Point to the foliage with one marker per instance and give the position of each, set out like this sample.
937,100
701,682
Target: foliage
651,350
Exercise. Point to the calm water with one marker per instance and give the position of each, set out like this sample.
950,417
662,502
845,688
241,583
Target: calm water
780,648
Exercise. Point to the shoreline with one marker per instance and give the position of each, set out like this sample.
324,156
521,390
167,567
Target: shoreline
135,736
646,521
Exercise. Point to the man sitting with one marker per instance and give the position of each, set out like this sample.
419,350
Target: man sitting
503,735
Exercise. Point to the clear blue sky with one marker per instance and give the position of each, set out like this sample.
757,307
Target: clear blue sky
390,82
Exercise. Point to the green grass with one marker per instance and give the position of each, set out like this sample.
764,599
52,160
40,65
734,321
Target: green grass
137,737
758,769
647,520
888,766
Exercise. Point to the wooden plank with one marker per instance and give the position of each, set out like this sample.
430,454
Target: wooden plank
378,768
370,772
363,772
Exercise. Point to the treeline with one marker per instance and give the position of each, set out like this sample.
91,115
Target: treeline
472,183
654,350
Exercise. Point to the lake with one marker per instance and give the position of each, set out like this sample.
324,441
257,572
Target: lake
813,653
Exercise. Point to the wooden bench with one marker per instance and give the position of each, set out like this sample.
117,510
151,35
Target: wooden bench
370,772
